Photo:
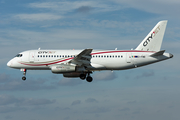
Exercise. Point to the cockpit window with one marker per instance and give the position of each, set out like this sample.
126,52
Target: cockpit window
18,55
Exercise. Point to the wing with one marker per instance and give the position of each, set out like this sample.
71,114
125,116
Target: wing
82,58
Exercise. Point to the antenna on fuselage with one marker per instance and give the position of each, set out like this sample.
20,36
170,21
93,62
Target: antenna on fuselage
39,49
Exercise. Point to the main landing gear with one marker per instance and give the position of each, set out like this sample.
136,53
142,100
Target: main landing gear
24,73
88,78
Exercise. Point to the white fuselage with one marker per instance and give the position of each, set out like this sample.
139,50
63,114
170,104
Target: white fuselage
81,63
100,59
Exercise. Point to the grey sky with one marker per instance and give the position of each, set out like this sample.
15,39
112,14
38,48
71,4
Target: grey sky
150,92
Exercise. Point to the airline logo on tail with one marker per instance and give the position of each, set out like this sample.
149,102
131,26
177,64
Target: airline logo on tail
152,35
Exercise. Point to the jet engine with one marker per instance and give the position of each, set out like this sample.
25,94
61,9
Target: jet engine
59,69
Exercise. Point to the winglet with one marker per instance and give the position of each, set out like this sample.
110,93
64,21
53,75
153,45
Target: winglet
158,53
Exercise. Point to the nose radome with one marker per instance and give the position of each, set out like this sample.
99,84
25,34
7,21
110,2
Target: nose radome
9,64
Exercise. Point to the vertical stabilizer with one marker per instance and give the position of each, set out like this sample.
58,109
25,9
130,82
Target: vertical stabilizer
153,41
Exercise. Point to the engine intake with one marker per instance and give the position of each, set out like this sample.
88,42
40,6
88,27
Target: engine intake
58,69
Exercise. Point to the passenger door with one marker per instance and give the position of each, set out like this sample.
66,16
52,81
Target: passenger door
128,57
31,57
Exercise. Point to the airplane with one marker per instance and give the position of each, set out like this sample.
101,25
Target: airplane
81,63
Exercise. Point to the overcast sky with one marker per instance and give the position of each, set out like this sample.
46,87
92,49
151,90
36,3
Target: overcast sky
146,93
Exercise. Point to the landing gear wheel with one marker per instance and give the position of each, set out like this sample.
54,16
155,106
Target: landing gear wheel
24,78
89,79
24,73
83,76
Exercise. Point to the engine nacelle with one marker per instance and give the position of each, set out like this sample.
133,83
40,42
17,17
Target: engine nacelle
72,75
59,69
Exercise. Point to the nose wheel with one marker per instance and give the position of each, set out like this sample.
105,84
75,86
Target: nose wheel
24,73
23,78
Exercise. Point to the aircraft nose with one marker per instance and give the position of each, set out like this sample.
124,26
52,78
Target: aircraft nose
9,63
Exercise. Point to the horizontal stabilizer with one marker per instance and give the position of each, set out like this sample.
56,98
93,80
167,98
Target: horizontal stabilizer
158,53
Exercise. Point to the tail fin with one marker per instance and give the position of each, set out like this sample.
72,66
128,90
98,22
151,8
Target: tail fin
153,41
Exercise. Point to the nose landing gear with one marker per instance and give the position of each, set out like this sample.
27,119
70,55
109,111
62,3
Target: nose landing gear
23,78
24,73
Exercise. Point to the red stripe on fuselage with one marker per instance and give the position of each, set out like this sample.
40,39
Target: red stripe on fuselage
91,54
120,51
47,63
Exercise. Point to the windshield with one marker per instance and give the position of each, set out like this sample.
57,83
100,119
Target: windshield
18,55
